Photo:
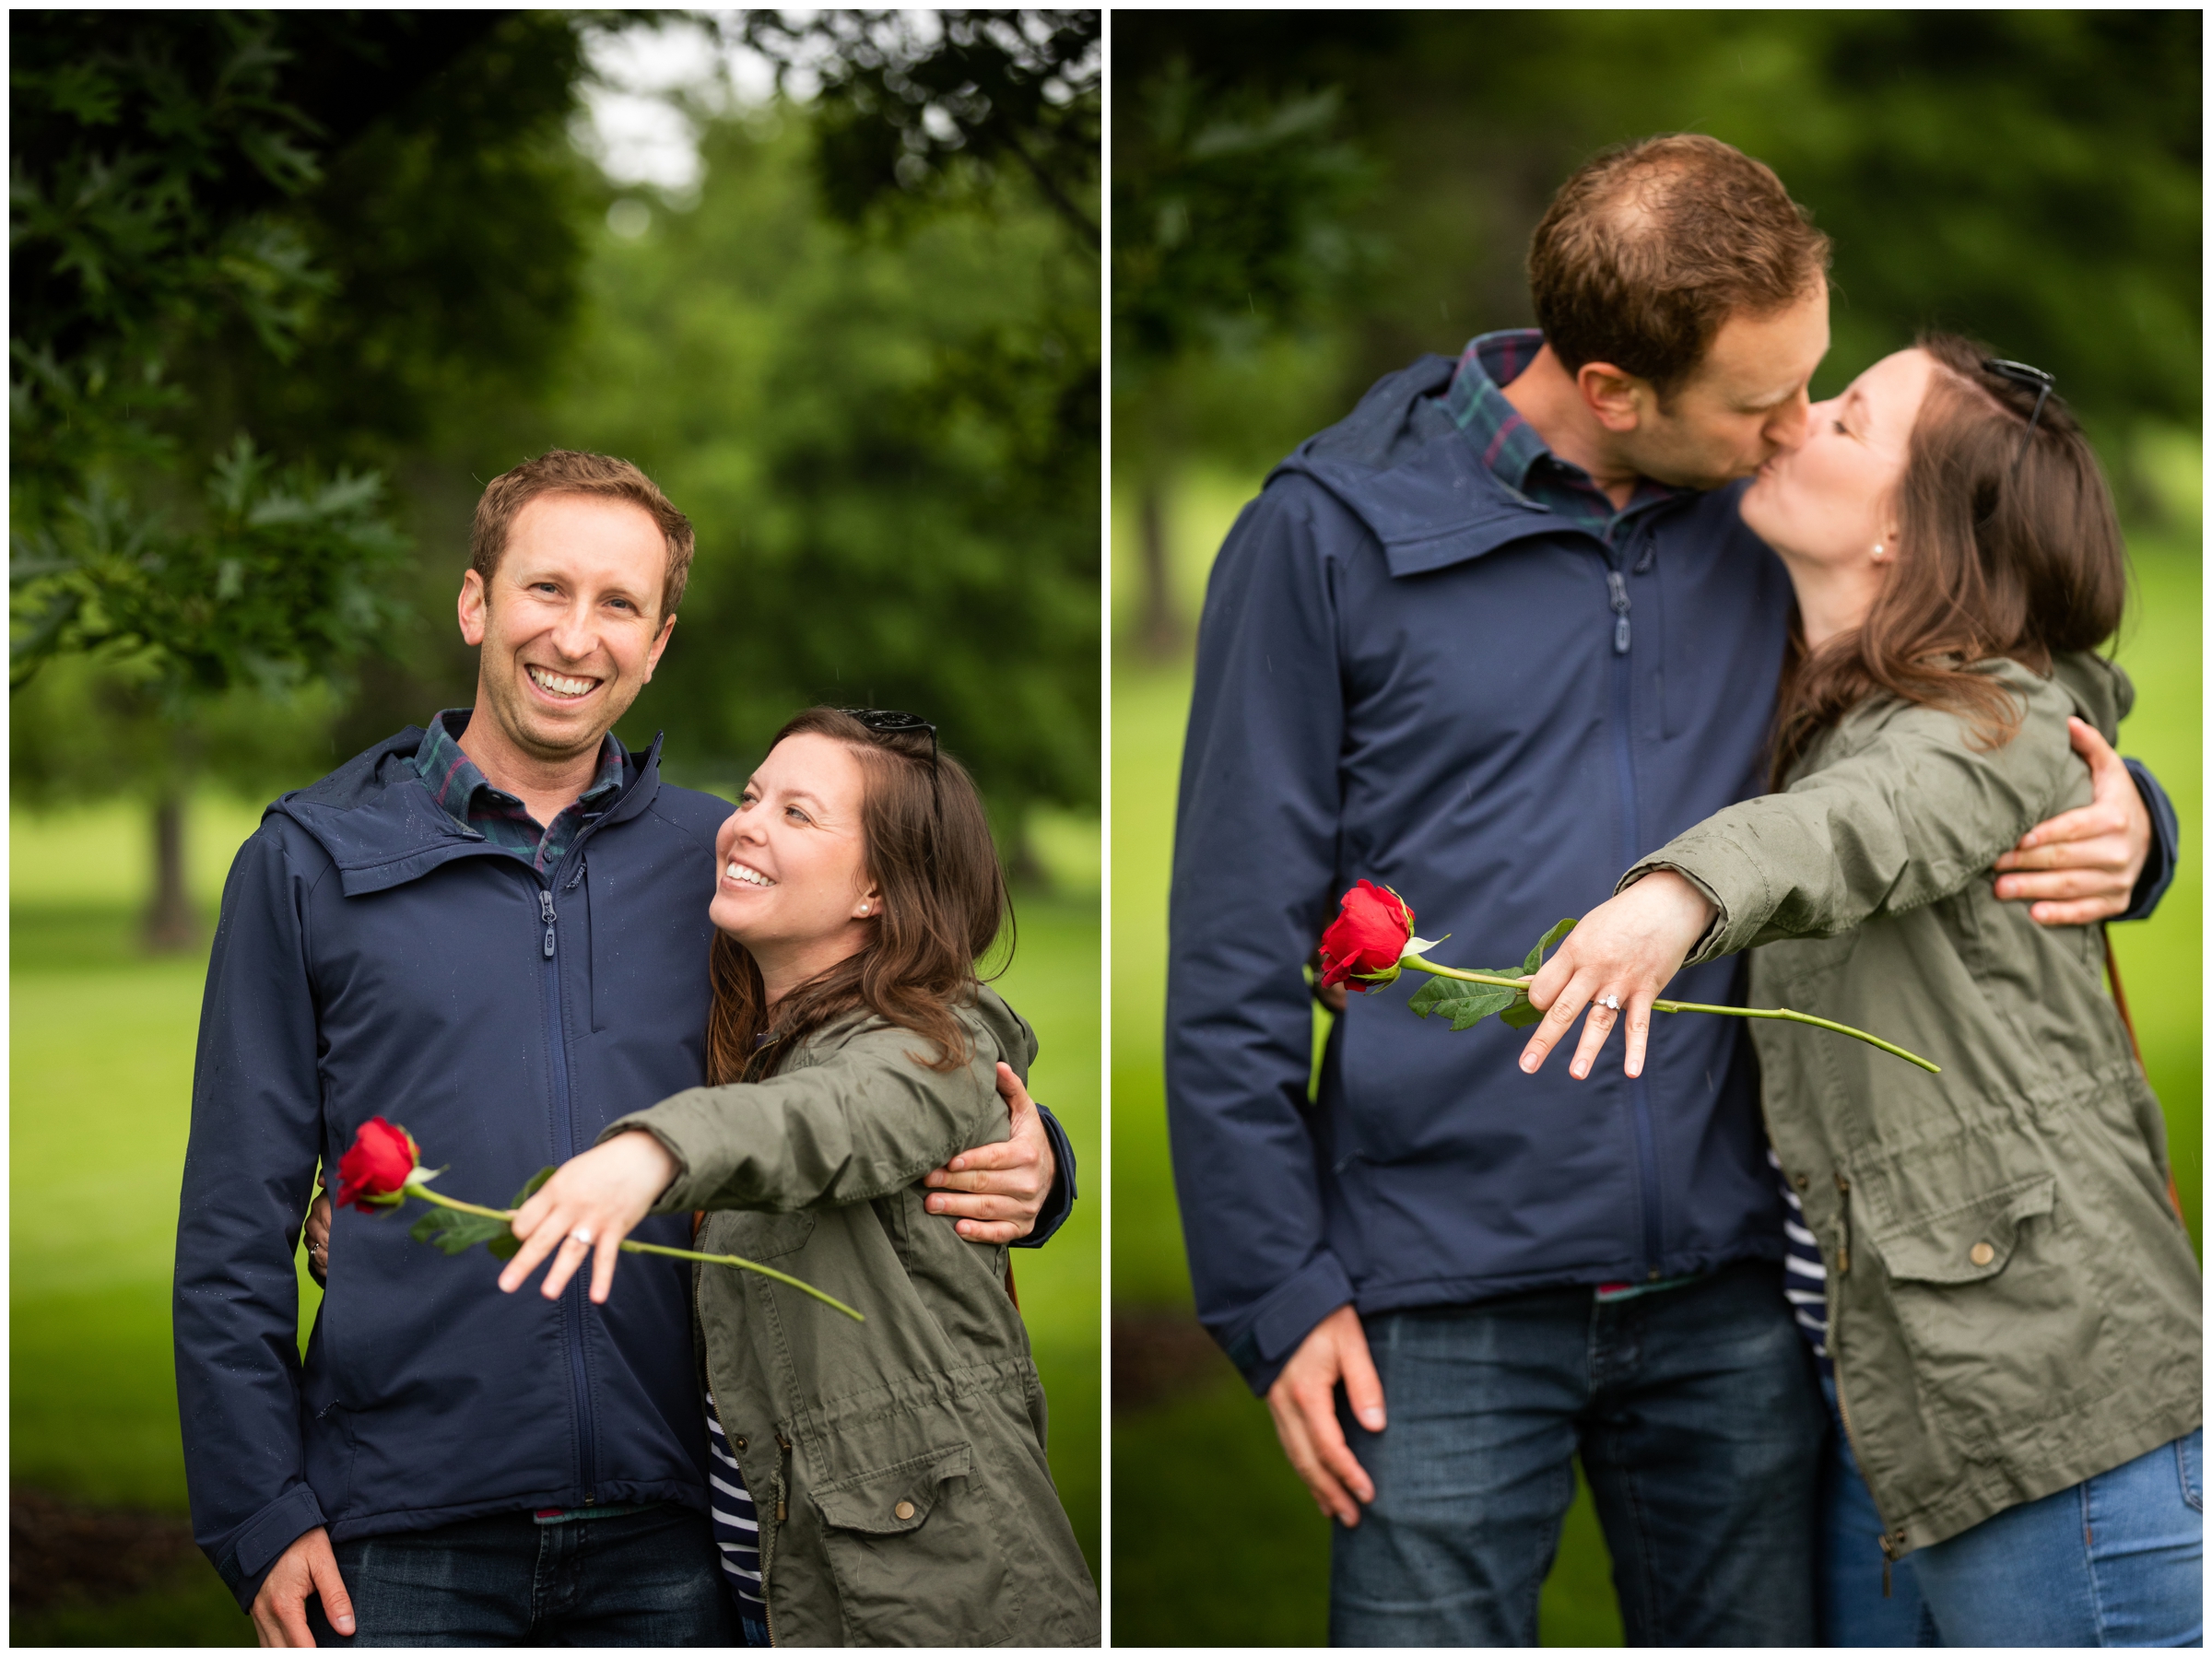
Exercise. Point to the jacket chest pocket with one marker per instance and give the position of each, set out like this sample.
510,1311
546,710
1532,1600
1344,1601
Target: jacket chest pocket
916,1556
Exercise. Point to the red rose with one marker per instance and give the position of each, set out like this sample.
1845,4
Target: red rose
375,1165
1366,938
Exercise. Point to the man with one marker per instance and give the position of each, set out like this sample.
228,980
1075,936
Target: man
495,933
1487,641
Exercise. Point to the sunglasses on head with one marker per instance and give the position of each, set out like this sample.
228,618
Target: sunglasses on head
889,721
2020,374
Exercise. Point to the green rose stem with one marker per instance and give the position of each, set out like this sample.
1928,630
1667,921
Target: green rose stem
1504,983
428,1195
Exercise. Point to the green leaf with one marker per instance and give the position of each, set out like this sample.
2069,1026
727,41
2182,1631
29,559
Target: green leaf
1464,1004
506,1245
1535,956
1521,1014
458,1233
530,1190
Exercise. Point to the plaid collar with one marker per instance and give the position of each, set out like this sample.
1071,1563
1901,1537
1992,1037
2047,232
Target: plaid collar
1513,452
470,800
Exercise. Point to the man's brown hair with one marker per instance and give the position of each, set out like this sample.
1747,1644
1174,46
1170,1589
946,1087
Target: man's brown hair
574,472
1650,247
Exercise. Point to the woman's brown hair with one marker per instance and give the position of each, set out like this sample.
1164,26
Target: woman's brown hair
2007,546
929,853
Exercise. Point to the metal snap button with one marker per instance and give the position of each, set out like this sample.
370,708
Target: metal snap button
739,1442
1980,1253
905,1510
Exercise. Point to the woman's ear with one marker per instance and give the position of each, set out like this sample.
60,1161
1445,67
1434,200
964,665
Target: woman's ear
870,903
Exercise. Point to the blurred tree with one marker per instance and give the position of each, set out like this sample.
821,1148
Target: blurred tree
1228,231
319,227
906,98
2031,177
884,439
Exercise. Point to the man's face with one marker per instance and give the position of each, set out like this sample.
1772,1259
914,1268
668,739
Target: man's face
1746,404
570,625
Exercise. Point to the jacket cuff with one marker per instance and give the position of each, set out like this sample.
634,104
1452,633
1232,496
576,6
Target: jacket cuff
1274,1330
1059,1202
666,1121
257,1545
2165,846
1722,870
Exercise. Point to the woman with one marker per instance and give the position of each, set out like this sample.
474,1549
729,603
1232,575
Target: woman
897,1466
2012,1310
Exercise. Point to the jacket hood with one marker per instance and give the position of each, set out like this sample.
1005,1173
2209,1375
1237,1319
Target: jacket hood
381,825
2102,690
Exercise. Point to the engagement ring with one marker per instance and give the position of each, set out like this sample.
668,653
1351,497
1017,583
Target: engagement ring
583,1234
1610,1002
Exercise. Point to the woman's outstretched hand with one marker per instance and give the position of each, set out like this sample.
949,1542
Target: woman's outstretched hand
585,1210
1628,948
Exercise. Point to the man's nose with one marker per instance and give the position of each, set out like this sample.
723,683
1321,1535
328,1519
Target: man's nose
574,635
1791,423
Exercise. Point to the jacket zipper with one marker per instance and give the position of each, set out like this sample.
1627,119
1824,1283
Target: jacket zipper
1640,1100
587,1449
1890,1541
782,1508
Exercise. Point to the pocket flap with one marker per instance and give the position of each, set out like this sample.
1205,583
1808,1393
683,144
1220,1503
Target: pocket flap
1967,1243
893,1500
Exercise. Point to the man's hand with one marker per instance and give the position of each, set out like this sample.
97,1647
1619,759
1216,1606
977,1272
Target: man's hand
317,1238
592,1202
2082,865
1303,1401
998,1189
280,1608
1627,948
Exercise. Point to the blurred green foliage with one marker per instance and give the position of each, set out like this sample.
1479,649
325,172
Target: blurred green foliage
887,439
2031,177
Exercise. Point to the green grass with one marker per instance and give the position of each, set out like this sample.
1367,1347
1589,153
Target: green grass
1209,1464
100,1075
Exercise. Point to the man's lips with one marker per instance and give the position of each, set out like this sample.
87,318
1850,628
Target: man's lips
560,687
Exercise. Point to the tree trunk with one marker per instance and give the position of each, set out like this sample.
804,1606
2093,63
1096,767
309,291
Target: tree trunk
171,925
1159,631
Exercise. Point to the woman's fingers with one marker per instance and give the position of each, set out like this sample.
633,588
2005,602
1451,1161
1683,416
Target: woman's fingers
542,1240
1639,1032
572,1251
1558,1017
1596,1028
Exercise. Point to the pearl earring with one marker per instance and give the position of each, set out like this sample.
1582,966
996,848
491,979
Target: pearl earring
1878,549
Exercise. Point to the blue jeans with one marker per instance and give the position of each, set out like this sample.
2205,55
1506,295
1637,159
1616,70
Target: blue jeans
1700,1430
649,1578
2116,1561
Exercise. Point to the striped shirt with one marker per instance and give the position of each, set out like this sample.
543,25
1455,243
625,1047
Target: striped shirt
469,798
1804,1274
736,1521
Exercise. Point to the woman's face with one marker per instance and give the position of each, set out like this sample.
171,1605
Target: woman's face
793,857
1830,500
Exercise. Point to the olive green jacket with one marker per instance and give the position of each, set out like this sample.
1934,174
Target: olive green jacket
2013,1305
898,1464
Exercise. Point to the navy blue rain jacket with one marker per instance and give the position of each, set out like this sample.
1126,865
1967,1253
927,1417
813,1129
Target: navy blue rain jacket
376,958
1409,672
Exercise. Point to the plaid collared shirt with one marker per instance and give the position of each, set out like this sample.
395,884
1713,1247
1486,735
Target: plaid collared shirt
1512,450
456,783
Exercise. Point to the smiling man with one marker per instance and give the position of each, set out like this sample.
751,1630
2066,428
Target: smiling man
494,933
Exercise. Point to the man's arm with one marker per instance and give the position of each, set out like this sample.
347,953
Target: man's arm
1255,866
2110,860
256,1111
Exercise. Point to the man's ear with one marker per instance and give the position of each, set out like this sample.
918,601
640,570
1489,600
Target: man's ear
475,605
1616,399
652,657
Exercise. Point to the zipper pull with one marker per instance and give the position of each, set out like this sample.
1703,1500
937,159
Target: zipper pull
783,1479
1619,589
545,910
1843,1217
1888,1556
